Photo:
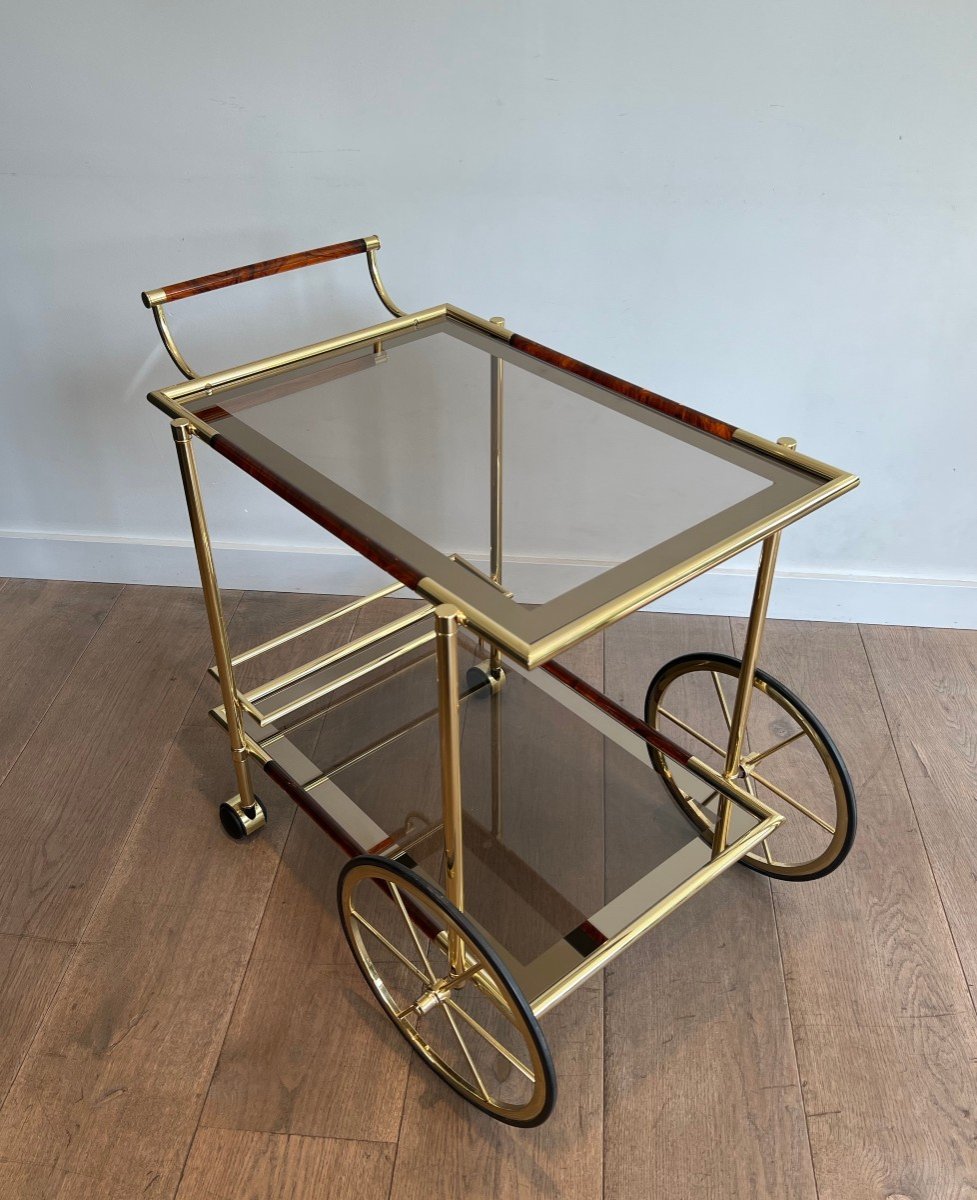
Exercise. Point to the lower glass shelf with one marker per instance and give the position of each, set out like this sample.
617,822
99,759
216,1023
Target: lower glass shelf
573,845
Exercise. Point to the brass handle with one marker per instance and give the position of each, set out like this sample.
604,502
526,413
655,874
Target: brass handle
271,266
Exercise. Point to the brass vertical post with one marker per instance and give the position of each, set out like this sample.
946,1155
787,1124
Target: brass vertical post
495,570
495,481
446,620
751,652
741,712
744,688
495,700
183,435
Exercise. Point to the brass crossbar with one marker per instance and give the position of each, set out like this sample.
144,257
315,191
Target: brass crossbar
309,627
334,656
350,677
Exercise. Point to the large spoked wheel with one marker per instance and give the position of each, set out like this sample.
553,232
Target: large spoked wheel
788,761
475,1029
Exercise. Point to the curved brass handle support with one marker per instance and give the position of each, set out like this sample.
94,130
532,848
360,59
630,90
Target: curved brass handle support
381,291
158,297
172,349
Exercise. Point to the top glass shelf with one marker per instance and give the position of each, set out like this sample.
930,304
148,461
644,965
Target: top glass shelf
606,501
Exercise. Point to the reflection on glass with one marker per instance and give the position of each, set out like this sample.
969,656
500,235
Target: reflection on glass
407,431
568,833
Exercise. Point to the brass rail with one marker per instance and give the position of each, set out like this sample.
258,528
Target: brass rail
309,626
350,677
297,674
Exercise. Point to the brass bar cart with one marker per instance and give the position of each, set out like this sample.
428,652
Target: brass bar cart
511,827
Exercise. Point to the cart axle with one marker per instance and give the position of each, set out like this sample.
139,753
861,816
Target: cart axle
431,999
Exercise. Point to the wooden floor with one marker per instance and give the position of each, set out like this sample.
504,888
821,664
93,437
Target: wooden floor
179,1016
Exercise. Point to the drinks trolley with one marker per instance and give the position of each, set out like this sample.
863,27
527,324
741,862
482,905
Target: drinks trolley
511,828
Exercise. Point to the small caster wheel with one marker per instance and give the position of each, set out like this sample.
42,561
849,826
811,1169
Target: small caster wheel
483,674
239,822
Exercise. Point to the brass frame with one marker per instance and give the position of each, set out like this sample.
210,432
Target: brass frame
744,690
563,968
532,637
446,621
240,751
464,596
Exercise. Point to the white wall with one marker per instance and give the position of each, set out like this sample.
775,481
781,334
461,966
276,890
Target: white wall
767,210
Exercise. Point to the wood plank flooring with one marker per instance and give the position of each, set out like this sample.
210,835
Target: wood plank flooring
697,1014
885,1031
180,1017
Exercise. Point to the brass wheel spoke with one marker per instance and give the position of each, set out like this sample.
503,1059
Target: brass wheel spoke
794,725
751,788
493,1041
449,1003
384,941
752,759
699,737
468,973
432,978
727,716
812,816
465,1051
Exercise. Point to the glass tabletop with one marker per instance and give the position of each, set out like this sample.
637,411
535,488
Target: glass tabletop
603,501
569,832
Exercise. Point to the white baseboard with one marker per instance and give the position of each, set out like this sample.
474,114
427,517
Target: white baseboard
336,570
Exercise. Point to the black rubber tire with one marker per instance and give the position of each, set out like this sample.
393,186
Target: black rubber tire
519,1001
771,684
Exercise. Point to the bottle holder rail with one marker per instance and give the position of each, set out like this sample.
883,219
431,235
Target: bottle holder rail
291,690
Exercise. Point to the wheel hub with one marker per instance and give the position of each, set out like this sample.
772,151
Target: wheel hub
430,999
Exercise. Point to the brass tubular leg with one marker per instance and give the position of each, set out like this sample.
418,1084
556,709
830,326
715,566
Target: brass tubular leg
495,483
446,619
720,835
751,651
744,689
182,435
495,699
495,570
